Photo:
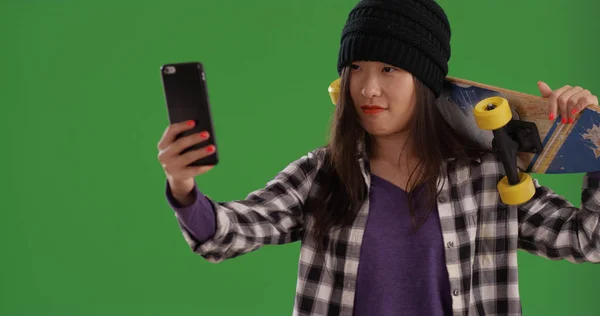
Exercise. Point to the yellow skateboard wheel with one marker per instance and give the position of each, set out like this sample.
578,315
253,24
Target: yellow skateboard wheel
334,90
494,118
518,193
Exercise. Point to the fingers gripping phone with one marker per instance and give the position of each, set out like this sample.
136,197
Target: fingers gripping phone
186,95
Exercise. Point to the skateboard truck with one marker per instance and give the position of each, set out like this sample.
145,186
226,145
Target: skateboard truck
510,136
525,134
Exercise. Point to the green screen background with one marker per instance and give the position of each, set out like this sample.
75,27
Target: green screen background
84,225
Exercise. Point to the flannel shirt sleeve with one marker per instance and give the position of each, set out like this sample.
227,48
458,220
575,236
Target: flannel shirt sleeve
273,214
551,227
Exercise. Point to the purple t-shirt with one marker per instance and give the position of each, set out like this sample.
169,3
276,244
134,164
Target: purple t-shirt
400,271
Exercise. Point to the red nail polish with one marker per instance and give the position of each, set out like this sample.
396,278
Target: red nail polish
190,123
570,120
204,134
551,117
573,111
210,148
563,120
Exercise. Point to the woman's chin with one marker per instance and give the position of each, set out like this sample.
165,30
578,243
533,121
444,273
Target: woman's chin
384,131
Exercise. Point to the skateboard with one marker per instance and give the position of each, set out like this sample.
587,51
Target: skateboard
516,125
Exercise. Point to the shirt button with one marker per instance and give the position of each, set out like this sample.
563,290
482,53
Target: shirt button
442,199
455,292
450,244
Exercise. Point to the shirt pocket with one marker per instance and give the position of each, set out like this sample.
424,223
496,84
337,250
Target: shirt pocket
492,239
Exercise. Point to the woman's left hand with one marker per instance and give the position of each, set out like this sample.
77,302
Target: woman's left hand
566,101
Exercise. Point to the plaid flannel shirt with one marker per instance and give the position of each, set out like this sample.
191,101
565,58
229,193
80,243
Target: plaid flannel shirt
481,234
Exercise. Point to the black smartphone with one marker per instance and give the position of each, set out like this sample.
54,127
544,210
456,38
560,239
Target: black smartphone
186,95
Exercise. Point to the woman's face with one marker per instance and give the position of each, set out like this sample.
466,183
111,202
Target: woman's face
383,96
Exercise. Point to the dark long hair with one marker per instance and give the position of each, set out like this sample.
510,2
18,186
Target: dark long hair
344,189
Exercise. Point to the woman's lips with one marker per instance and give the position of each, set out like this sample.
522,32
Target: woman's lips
372,109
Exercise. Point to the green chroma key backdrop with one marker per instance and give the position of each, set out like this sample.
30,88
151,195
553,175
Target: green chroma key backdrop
84,225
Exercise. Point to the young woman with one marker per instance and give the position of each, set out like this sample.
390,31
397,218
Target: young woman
397,214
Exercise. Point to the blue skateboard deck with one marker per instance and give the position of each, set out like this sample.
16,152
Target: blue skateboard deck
567,148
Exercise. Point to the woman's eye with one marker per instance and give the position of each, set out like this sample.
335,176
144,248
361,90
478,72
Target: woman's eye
354,66
388,69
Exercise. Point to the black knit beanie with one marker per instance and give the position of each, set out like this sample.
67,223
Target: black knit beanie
410,34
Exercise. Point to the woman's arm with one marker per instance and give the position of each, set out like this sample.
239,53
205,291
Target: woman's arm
271,215
551,227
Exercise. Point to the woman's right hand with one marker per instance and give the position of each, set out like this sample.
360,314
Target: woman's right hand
179,175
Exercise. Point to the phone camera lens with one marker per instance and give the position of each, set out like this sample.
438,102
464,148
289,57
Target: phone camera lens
169,70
